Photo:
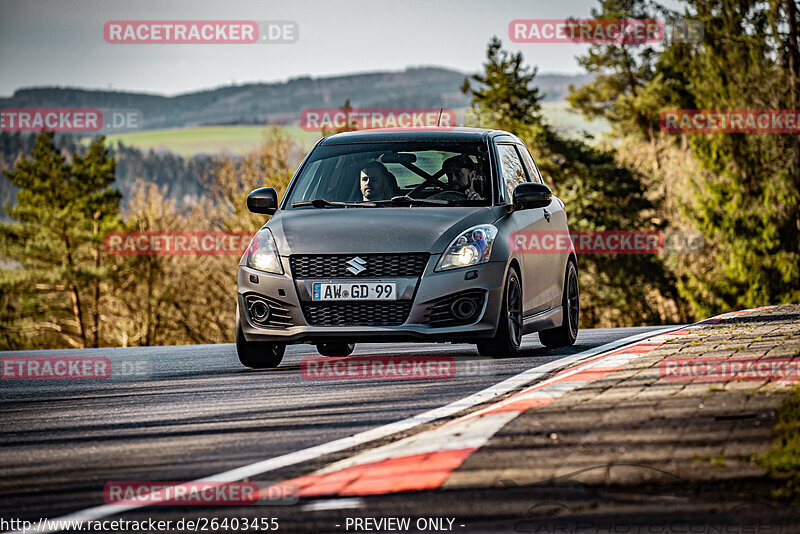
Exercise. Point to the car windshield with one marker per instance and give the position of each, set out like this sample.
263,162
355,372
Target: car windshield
394,174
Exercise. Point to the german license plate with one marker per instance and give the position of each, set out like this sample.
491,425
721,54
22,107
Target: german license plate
355,291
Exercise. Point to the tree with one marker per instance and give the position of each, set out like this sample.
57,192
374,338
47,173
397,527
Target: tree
504,95
159,300
152,303
744,188
622,70
632,84
600,194
52,248
223,207
59,287
750,204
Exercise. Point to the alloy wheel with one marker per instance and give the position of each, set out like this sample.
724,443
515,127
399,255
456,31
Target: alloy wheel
514,309
573,303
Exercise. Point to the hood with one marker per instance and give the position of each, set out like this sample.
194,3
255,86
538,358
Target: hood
373,230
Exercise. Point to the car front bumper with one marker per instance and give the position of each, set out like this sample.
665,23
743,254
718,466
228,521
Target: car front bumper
421,292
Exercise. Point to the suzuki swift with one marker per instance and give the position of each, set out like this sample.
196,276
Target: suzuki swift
389,236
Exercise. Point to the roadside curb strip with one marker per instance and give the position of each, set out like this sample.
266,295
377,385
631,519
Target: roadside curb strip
426,460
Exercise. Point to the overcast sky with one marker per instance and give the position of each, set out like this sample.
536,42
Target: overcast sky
60,42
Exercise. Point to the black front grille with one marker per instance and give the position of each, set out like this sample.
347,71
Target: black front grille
356,313
376,265
440,313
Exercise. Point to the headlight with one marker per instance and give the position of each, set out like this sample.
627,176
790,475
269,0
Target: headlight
470,248
262,253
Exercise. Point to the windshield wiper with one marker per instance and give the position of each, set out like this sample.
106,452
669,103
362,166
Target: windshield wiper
405,200
322,203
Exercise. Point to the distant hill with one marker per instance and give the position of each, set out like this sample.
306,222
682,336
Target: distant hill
180,133
281,103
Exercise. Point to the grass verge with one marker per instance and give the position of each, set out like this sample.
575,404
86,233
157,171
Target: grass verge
783,461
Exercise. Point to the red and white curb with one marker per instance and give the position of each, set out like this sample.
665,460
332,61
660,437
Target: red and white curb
426,460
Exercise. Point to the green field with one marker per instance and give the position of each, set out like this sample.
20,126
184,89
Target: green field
241,139
211,140
559,115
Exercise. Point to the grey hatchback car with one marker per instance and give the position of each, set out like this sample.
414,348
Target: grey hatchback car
391,235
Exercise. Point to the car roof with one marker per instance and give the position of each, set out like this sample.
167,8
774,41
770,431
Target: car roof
399,135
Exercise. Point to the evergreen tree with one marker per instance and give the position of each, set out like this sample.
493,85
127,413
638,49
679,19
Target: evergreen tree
750,206
53,264
599,193
504,94
624,90
747,201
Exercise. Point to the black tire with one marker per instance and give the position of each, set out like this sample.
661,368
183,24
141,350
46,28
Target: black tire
336,349
565,335
258,354
508,337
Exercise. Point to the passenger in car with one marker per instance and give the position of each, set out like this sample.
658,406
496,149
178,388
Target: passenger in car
461,172
377,183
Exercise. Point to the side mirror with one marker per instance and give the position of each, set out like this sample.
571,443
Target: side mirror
263,200
532,195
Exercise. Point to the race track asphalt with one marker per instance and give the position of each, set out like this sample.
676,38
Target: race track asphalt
186,412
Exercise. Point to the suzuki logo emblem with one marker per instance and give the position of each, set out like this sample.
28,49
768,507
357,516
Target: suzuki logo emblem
356,265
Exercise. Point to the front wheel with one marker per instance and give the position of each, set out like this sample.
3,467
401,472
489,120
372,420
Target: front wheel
258,354
565,335
508,338
336,349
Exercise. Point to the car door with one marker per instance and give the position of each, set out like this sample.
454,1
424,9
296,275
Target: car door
536,267
557,222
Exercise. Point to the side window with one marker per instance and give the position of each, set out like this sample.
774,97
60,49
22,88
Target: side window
513,173
533,171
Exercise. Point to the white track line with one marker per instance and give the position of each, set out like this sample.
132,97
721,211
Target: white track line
311,453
